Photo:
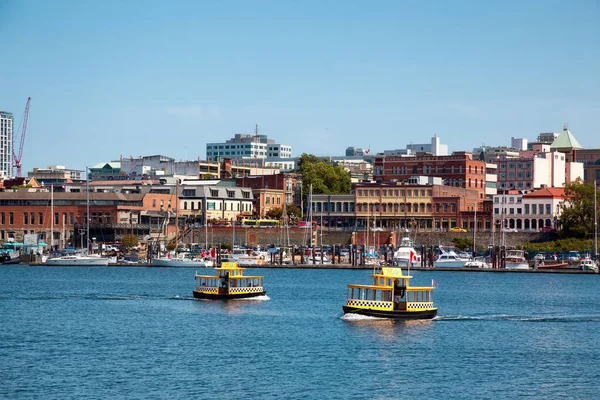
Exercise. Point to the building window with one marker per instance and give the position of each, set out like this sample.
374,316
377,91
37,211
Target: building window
25,218
11,218
72,219
40,218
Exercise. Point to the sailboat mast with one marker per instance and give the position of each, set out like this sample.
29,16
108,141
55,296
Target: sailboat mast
474,228
595,220
51,216
87,212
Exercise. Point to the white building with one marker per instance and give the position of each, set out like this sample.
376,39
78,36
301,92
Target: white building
518,143
435,148
6,144
529,212
247,146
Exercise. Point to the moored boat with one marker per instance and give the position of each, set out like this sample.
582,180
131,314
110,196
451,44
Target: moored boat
79,260
449,259
478,262
183,261
406,254
391,296
228,283
515,259
587,264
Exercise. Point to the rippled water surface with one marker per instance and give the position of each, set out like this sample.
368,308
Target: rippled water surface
137,333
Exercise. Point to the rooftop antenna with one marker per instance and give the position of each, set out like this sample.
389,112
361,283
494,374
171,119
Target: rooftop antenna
566,127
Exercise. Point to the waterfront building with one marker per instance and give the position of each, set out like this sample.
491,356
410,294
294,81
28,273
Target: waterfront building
590,158
529,212
421,202
247,146
534,172
216,204
567,144
460,169
266,200
289,183
112,215
56,174
334,210
6,144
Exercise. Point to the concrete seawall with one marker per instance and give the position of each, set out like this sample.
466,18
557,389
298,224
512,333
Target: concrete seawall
299,237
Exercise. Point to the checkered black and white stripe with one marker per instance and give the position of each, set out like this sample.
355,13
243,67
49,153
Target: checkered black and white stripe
369,303
412,306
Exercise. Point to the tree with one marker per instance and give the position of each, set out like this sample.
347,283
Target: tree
577,211
274,213
294,212
129,241
324,176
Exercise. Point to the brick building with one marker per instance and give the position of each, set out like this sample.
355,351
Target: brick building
60,218
460,169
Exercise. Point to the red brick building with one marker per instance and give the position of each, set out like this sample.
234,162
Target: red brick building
459,170
63,214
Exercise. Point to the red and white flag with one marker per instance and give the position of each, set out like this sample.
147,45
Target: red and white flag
413,256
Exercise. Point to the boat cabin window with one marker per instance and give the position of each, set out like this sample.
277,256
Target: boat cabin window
369,294
419,296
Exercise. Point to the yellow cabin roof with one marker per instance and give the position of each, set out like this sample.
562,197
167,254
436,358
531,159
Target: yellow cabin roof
229,265
393,272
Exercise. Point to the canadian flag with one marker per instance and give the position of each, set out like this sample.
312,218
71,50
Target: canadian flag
413,256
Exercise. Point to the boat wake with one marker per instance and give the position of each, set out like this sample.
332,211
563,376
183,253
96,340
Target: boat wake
520,318
358,317
257,298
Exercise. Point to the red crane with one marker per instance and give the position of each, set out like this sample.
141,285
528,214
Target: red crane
17,157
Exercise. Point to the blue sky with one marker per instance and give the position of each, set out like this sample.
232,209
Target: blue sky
131,78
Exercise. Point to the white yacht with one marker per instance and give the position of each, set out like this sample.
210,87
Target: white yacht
587,264
406,255
478,262
183,261
245,257
449,259
80,260
515,259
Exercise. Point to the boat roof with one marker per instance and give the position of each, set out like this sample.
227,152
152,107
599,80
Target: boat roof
229,265
392,272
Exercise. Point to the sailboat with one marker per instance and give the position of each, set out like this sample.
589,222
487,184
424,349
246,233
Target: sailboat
80,259
183,260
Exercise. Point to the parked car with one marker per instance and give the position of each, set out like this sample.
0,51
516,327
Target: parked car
541,256
457,229
509,230
548,229
573,256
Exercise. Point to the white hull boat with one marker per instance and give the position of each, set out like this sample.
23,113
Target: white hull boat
515,259
182,262
406,255
449,259
78,260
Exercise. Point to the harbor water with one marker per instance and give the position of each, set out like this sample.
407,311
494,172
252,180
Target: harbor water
98,333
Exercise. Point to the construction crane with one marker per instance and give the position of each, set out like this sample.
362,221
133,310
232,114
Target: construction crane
17,156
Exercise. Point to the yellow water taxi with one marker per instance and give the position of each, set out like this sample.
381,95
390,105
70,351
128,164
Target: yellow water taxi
228,283
391,296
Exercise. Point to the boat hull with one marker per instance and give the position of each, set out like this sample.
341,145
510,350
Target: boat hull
449,264
392,314
94,262
231,296
174,262
517,265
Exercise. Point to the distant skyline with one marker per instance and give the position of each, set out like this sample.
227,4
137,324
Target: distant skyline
137,78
